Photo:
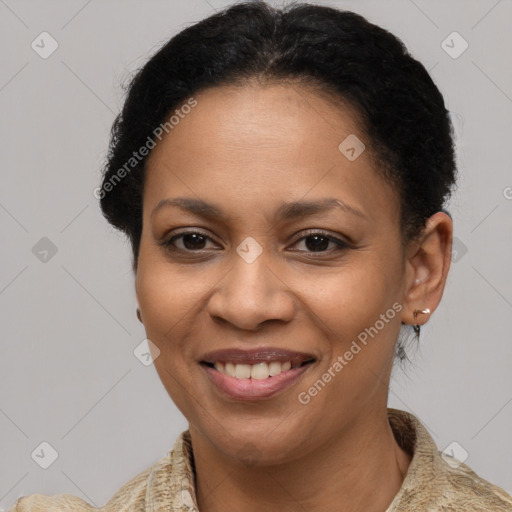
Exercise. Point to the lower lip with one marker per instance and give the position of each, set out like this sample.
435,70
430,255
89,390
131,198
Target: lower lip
254,389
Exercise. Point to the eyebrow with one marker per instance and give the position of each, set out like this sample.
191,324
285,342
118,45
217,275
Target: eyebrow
286,212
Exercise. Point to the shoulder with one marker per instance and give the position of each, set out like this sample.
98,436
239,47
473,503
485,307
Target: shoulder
461,487
436,481
131,496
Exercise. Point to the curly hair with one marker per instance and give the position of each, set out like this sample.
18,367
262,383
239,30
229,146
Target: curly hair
340,53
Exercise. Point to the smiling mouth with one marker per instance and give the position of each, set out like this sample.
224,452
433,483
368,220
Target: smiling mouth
258,371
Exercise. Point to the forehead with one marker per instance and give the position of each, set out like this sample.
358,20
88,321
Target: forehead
266,144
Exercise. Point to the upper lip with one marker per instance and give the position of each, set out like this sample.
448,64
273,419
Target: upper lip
256,355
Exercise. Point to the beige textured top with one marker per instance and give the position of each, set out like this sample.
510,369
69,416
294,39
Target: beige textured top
432,483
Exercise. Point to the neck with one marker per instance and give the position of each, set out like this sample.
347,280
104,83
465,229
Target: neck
362,469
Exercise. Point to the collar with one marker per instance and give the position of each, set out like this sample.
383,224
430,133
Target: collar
433,481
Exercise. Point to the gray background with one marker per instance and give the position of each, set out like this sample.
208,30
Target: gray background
68,324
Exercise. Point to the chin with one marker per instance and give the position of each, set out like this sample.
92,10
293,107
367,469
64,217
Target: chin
262,446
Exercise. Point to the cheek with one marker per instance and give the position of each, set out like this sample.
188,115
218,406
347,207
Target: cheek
166,293
168,301
353,306
172,300
351,297
360,344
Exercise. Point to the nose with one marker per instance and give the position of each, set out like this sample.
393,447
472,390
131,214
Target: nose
251,294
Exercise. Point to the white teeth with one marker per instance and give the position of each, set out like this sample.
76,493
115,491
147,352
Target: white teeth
259,371
243,371
230,369
274,368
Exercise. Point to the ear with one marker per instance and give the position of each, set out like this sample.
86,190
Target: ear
427,263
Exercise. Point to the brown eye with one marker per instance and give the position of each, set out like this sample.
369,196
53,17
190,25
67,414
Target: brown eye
316,243
189,241
320,242
193,241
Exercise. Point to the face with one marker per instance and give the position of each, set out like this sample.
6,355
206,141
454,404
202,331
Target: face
263,282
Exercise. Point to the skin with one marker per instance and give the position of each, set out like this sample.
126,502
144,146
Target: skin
247,150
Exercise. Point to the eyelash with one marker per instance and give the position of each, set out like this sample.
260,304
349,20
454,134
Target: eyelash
341,245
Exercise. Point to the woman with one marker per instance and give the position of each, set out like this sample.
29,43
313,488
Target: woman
281,175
